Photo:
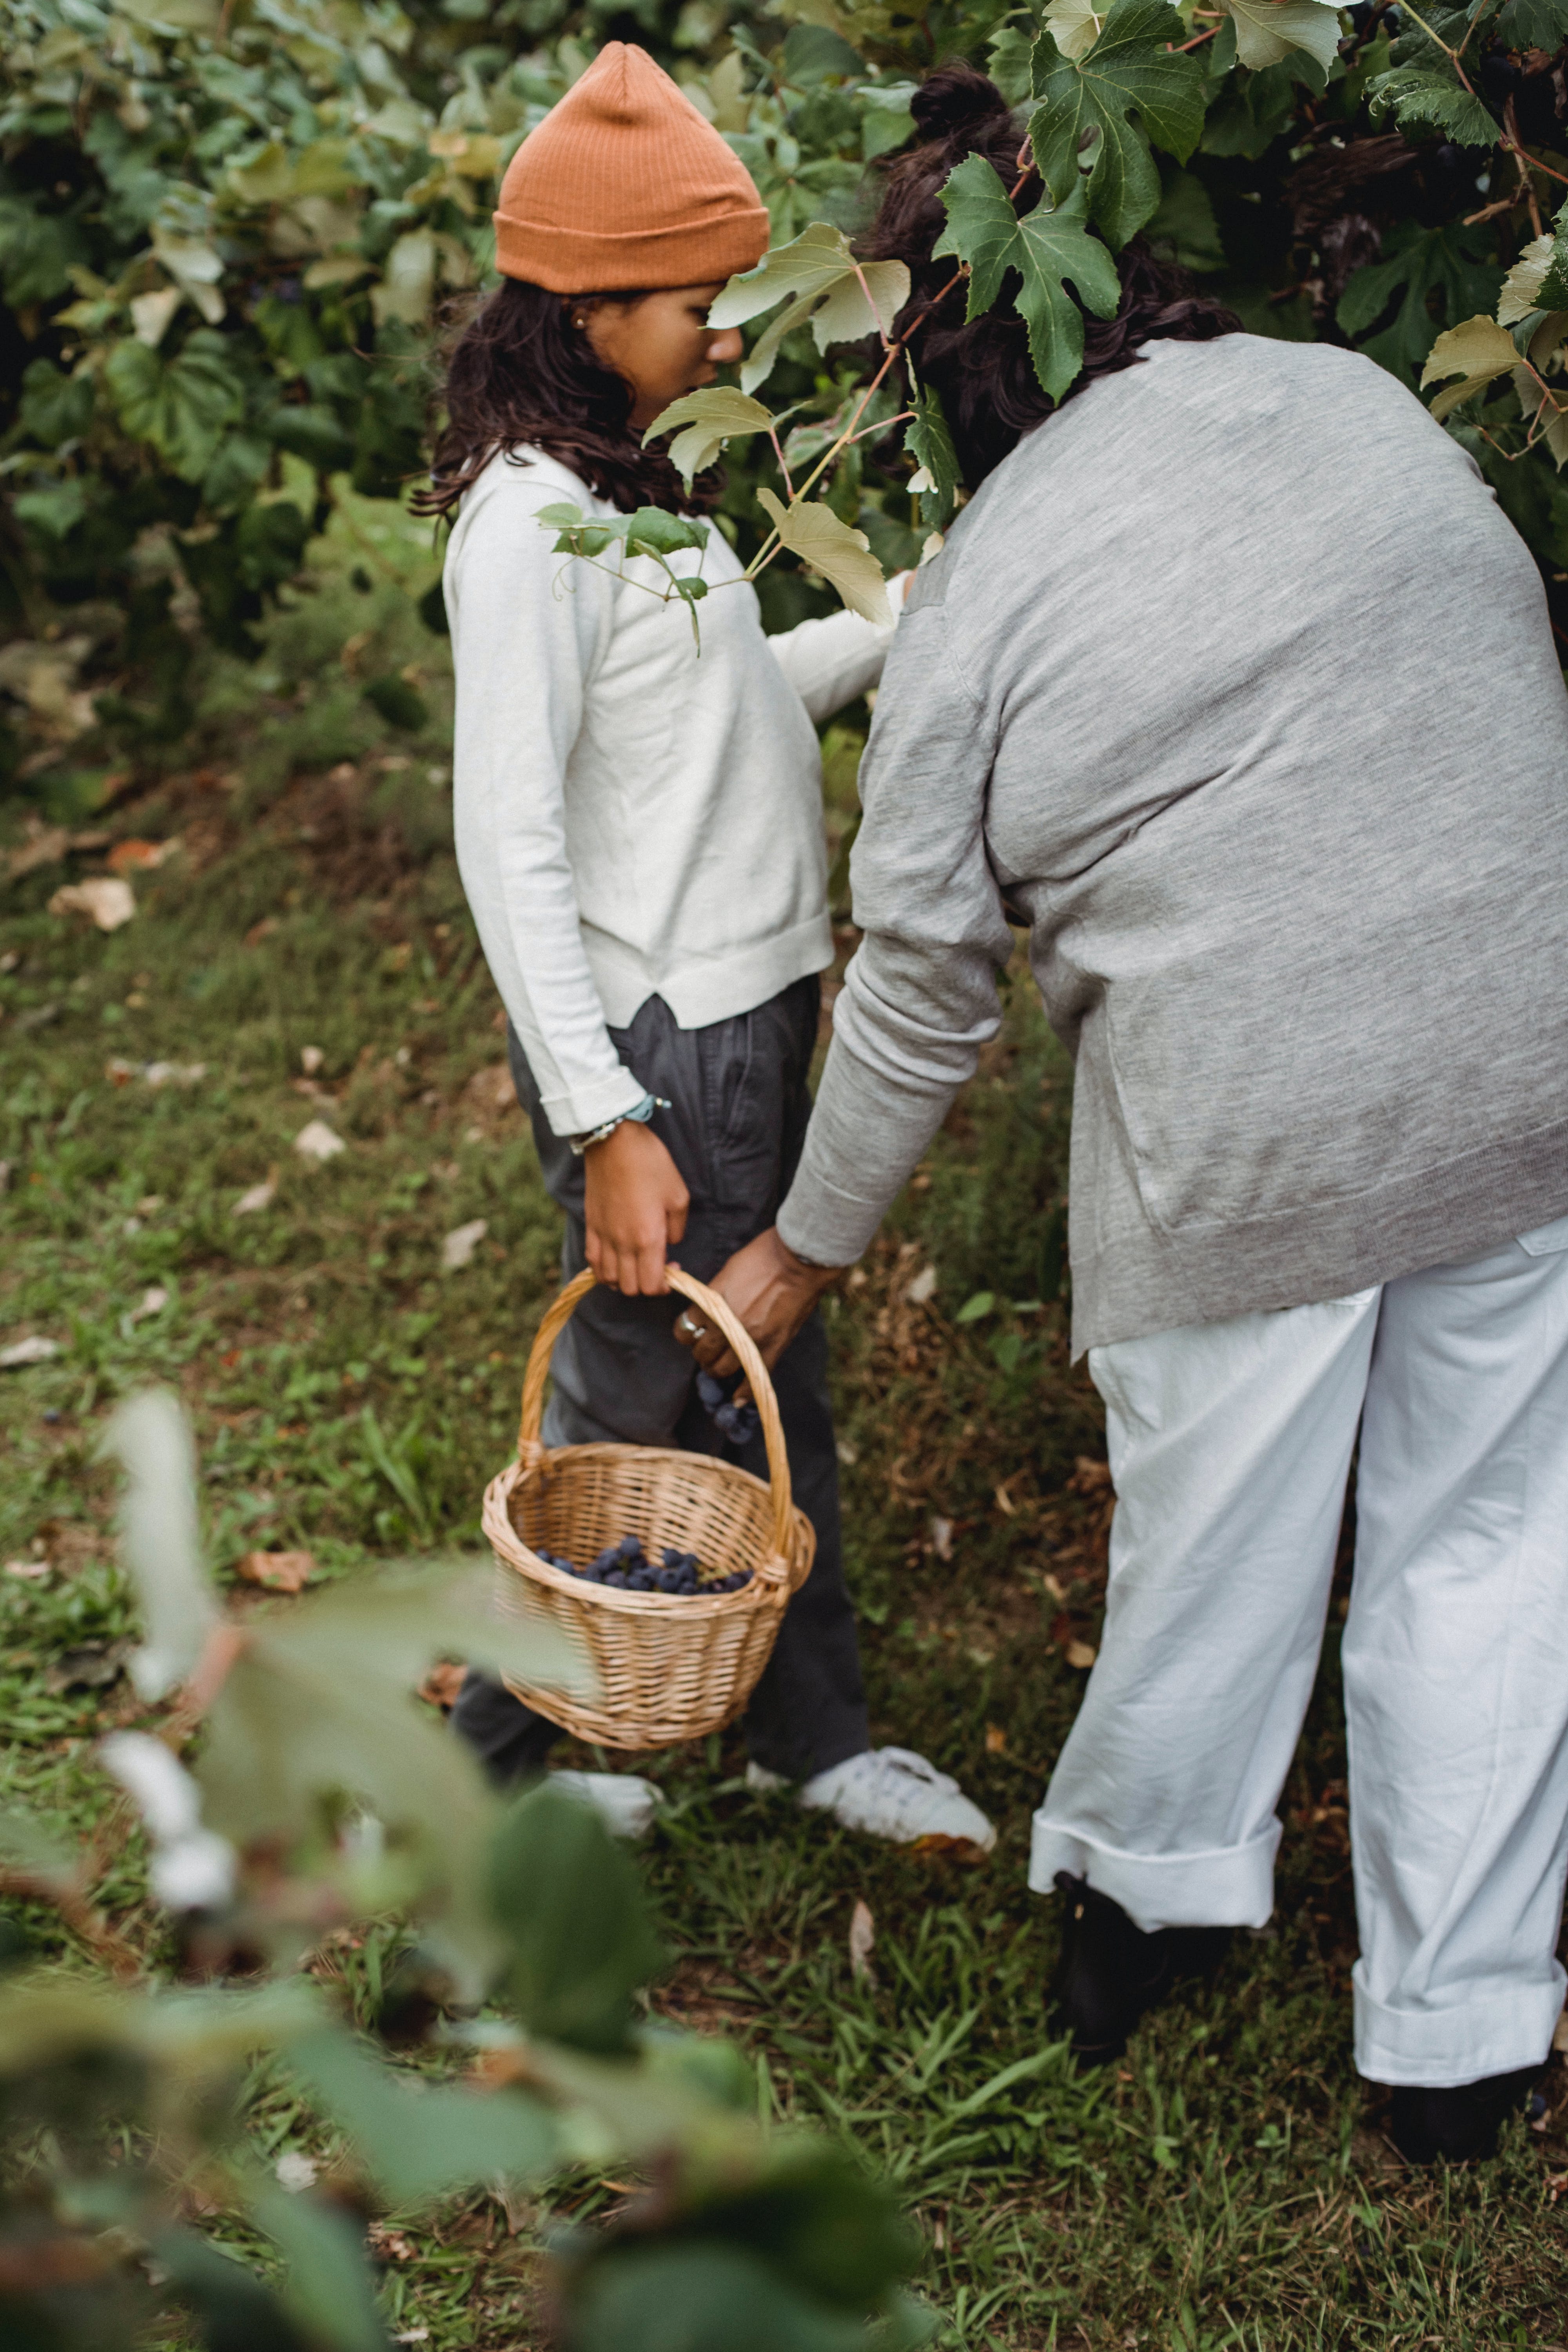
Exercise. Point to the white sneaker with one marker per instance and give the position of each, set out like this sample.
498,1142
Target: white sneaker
626,1805
891,1792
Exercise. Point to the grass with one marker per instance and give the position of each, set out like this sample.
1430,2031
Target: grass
1228,2184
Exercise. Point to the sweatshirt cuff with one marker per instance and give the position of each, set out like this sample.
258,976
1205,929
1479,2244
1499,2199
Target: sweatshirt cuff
825,1226
611,1096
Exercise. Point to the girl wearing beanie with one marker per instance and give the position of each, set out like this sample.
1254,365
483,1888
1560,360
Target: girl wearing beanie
639,831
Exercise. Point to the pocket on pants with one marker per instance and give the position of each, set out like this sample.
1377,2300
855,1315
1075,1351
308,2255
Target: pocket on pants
1546,1239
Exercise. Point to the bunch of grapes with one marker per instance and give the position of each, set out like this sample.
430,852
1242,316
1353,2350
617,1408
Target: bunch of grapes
626,1568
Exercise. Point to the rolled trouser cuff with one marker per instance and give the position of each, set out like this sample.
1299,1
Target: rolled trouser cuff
1230,1886
1463,2040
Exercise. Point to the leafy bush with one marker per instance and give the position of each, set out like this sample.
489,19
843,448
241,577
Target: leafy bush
224,233
320,1799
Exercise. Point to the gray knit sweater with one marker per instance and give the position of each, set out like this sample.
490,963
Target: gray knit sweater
1237,680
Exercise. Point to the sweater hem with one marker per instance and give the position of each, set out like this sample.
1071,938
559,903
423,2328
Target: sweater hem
717,988
1456,1209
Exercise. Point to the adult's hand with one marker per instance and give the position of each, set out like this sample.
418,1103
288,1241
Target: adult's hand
635,1209
770,1289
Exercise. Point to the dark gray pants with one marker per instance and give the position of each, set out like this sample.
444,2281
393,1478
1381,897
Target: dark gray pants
740,1104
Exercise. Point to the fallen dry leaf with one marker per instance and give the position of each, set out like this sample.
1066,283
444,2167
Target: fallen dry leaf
1081,1655
174,1073
134,856
279,1571
261,930
862,1939
995,1739
154,1298
1560,2034
36,1351
1089,1476
92,1666
384,2240
442,1684
311,1059
46,846
924,1286
105,897
1005,1503
259,1196
28,1567
318,1142
461,1242
941,1538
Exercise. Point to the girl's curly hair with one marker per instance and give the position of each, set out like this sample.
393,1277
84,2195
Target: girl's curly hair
519,372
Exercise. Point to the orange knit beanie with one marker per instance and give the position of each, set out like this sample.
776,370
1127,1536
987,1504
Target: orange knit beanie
625,185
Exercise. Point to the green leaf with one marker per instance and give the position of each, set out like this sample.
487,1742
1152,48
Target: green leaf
1419,97
1554,289
37,251
327,2282
1185,224
1132,70
569,1904
180,406
814,533
930,444
1449,266
651,531
973,1309
818,272
161,1539
1478,351
400,704
1267,31
57,510
702,2297
313,432
1533,24
710,418
812,53
1047,248
421,2142
55,408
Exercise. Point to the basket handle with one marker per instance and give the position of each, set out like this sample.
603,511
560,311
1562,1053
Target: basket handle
559,1313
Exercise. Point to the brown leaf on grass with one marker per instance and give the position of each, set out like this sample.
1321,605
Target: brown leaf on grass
862,1938
1089,1476
995,1739
442,1684
46,846
105,897
281,1571
1081,1655
28,1567
135,855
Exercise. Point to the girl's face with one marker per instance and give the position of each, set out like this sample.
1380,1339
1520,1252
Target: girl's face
662,345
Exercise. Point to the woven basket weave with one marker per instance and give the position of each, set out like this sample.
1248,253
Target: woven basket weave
670,1668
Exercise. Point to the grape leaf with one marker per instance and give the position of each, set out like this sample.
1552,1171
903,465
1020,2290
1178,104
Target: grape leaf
649,531
1075,26
1130,70
818,271
844,557
1267,30
179,405
1452,262
930,444
710,418
1543,409
1553,294
1418,95
1478,351
1533,24
1046,247
1521,287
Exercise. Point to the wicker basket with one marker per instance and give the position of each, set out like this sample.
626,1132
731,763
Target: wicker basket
670,1668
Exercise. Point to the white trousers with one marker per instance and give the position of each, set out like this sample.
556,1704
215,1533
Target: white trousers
1229,1446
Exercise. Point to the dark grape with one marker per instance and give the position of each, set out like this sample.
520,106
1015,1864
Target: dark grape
626,1568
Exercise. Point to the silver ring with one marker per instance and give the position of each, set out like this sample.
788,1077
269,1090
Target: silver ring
692,1330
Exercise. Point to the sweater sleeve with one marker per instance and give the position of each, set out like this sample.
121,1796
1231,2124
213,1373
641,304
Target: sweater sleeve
829,662
921,997
525,640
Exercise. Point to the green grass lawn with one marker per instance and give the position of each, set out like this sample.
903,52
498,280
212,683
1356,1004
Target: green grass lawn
309,954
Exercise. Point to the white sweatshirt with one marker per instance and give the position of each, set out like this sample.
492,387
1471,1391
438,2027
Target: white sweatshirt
633,818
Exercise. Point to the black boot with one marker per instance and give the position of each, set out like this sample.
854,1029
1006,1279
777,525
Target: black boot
1111,1971
1460,2124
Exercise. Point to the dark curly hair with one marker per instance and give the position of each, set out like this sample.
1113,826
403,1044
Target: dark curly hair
519,372
983,370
